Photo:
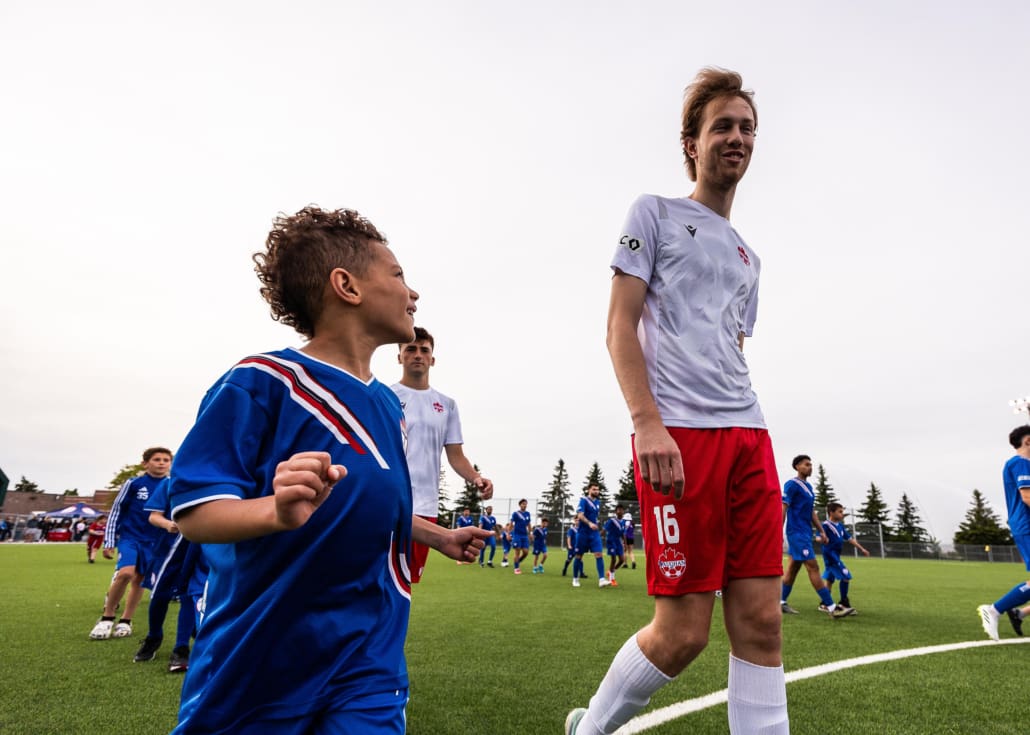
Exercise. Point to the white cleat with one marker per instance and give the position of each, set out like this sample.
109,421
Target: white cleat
573,720
102,630
603,583
575,581
989,617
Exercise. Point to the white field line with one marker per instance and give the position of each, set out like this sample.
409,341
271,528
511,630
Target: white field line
645,722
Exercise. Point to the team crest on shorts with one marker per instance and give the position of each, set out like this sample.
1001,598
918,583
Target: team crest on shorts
672,563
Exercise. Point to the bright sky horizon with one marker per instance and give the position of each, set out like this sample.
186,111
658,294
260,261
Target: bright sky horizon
147,149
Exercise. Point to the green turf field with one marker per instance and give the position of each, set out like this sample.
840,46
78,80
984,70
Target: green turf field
491,652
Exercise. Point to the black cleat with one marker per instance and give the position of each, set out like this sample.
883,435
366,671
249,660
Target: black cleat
1017,622
180,660
147,650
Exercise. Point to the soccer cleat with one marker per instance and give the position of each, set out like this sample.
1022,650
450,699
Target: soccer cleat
180,660
634,565
572,721
490,564
504,563
102,630
575,581
603,583
614,583
989,617
841,611
1017,622
823,608
845,602
147,649
518,571
122,630
787,609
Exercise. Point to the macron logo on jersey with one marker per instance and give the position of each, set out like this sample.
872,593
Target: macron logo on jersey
314,398
691,229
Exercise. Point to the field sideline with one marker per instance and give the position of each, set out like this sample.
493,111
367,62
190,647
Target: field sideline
492,652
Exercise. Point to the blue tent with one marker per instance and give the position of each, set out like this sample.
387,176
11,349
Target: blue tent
79,510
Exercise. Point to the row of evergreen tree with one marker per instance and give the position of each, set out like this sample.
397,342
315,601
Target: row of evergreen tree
981,524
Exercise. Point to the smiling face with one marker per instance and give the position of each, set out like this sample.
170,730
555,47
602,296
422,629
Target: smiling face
388,301
722,149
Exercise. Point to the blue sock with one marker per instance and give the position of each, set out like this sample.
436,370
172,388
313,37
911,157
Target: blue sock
156,617
185,623
600,567
785,592
1016,597
844,587
577,568
824,595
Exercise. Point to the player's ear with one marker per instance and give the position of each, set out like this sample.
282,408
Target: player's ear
345,287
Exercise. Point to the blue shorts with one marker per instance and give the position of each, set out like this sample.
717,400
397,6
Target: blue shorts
1023,544
836,570
539,548
131,553
520,542
588,540
165,577
615,549
490,541
370,714
800,547
506,545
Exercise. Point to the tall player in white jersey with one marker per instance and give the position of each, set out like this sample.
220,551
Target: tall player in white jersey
433,426
684,295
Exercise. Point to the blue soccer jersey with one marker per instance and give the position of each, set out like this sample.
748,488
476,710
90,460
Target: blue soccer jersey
799,498
298,621
539,540
464,521
1016,477
129,519
590,509
487,523
837,534
613,536
521,521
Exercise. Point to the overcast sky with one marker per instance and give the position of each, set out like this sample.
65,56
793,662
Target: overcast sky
146,149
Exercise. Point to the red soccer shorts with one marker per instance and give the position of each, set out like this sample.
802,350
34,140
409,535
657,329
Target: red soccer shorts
727,525
419,556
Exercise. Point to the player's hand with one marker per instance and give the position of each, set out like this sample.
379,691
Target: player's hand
865,551
661,464
109,553
485,487
823,539
463,544
172,527
301,484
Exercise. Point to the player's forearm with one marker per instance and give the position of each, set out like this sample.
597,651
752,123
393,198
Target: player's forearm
427,533
228,521
631,372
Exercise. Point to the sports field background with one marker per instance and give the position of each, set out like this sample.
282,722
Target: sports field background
490,652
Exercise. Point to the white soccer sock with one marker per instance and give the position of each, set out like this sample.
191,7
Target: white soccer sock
624,691
757,699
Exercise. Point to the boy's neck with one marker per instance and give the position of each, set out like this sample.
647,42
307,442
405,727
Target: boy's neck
415,382
345,352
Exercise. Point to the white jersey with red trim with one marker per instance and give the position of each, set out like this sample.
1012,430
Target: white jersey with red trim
431,420
702,293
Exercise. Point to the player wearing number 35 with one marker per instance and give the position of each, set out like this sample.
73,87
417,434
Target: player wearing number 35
684,295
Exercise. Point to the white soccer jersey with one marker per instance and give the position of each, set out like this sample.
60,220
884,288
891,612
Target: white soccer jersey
432,422
702,292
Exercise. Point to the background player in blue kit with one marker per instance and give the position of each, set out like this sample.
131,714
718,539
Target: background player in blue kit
588,536
308,595
539,546
129,529
570,546
629,536
801,518
166,579
506,542
521,522
837,535
613,535
1016,478
488,522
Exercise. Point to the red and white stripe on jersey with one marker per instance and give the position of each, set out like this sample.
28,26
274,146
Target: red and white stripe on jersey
399,572
318,401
